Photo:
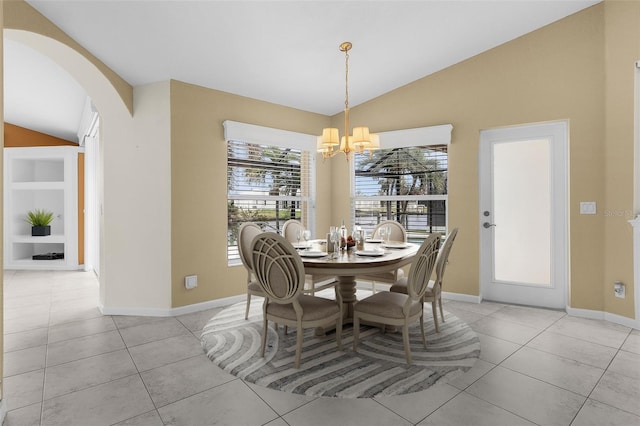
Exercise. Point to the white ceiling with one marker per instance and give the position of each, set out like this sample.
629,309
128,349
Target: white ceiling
284,52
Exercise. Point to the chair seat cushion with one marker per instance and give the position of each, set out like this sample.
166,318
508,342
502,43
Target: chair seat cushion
383,277
387,304
313,308
401,287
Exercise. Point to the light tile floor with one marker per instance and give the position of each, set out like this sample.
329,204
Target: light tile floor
66,364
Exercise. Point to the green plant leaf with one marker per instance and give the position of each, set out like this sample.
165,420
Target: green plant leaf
39,217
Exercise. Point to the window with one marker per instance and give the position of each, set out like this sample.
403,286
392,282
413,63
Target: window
266,184
405,182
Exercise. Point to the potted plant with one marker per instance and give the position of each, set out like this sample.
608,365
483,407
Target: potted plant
39,220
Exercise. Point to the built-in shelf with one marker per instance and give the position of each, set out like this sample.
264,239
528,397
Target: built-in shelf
48,239
40,178
32,186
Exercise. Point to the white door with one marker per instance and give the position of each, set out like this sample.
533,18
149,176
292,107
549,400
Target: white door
523,214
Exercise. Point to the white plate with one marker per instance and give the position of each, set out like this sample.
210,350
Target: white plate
373,240
310,253
395,245
370,253
300,245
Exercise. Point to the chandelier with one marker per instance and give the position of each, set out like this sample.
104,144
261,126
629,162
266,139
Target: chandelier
330,143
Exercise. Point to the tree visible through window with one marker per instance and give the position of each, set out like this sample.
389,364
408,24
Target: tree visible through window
408,185
266,185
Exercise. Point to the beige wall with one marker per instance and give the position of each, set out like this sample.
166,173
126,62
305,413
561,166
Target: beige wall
574,69
622,35
199,185
555,73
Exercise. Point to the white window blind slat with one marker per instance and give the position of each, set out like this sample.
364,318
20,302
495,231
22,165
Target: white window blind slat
267,185
406,184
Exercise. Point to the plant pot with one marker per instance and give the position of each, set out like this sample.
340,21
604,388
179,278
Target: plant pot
40,231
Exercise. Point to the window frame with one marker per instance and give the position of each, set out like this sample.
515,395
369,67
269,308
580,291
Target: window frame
405,138
267,136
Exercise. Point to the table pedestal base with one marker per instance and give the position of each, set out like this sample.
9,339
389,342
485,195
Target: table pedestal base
347,288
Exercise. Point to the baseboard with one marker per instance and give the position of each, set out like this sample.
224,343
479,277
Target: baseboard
460,297
172,312
366,285
3,410
601,315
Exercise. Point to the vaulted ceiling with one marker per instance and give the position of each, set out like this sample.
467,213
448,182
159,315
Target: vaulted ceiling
284,52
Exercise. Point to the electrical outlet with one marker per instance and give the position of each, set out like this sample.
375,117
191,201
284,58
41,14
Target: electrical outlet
191,281
587,207
618,289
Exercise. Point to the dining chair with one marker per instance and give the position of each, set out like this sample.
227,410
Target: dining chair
313,283
246,234
398,309
280,272
397,233
433,293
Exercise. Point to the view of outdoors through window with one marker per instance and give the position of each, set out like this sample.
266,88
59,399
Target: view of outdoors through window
266,185
408,185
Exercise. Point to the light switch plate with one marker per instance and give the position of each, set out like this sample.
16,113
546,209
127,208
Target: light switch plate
587,207
191,281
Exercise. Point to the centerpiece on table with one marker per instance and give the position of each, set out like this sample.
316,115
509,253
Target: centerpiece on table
40,220
348,243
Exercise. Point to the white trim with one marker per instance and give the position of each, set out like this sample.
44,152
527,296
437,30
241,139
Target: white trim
226,301
558,134
460,297
251,133
420,136
606,316
172,312
88,122
636,149
635,223
3,410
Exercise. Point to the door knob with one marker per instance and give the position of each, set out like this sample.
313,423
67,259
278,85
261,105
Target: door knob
488,225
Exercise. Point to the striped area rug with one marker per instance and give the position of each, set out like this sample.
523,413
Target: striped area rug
378,369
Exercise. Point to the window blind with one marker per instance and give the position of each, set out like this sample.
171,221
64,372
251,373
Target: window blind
407,184
266,185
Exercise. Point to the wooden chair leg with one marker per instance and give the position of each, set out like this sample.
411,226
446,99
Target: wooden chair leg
424,338
339,332
356,332
435,315
405,339
298,345
246,313
441,311
264,336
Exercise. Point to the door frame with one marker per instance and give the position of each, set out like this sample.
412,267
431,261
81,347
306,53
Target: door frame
558,133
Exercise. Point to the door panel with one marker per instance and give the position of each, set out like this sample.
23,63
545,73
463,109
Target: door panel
523,199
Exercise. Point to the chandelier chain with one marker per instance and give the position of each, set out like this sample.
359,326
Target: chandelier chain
346,79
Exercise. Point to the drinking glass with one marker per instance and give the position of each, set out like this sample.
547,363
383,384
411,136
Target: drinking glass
382,233
330,246
306,234
360,239
299,235
336,242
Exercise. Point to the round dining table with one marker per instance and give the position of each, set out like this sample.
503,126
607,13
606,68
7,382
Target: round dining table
346,265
